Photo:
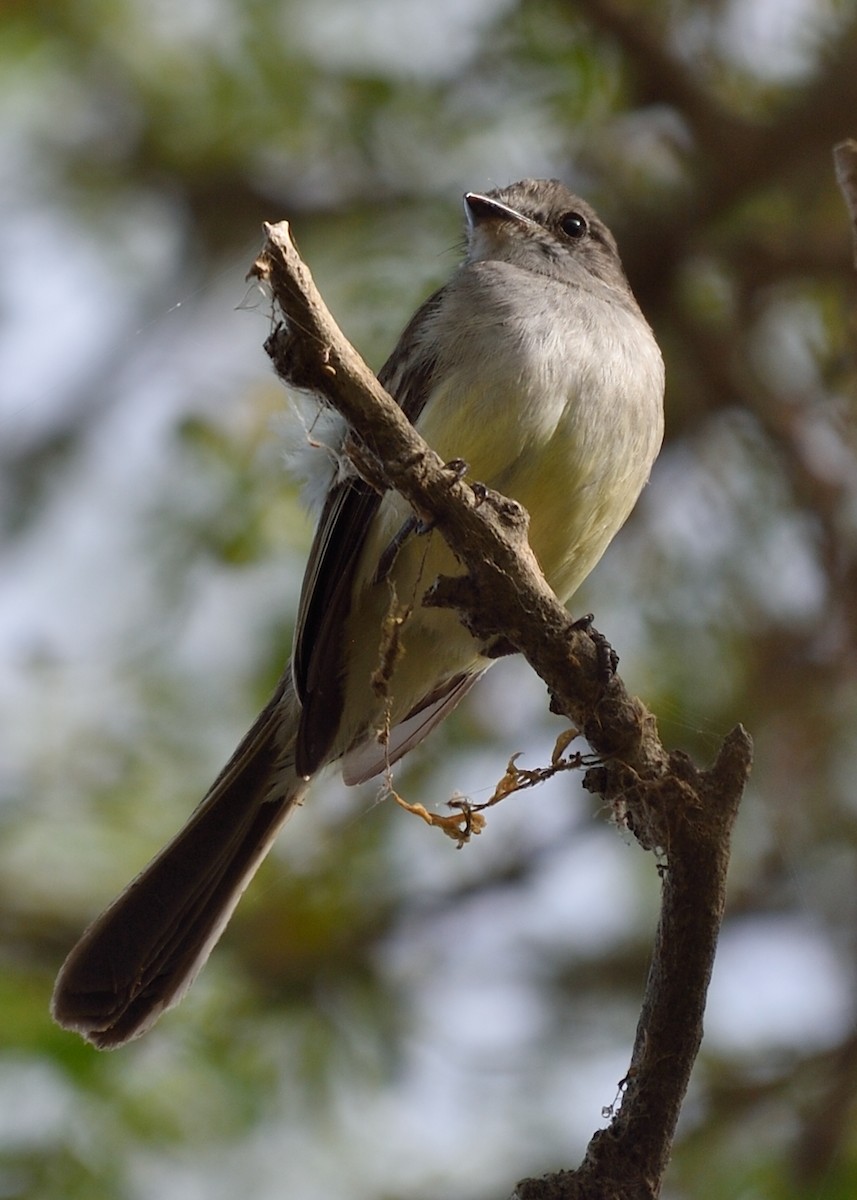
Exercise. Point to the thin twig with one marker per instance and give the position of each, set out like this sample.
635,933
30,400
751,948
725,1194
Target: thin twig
845,165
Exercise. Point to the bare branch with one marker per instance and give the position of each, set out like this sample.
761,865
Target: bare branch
669,804
627,1160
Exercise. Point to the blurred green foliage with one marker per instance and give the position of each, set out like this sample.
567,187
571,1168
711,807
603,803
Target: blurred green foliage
387,1016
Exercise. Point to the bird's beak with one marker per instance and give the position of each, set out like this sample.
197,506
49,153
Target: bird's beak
479,208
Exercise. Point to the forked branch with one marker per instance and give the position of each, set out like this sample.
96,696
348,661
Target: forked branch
672,807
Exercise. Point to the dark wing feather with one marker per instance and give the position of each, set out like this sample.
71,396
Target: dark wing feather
318,658
325,601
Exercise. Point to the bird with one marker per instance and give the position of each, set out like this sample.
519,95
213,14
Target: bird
533,365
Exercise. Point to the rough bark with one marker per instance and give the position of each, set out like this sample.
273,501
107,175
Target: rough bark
680,812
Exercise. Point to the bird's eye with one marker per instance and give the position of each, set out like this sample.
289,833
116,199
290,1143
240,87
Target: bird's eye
574,225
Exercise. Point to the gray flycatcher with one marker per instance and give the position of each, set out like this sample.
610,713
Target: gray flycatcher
535,366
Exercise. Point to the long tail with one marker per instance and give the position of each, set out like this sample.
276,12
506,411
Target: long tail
142,954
